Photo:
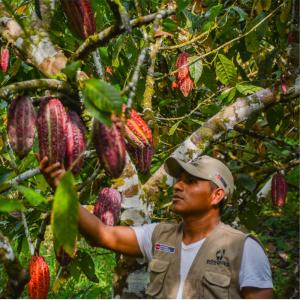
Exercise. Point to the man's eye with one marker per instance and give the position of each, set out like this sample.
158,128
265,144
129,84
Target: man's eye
191,180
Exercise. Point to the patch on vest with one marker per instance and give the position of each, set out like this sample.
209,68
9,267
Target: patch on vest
164,248
220,259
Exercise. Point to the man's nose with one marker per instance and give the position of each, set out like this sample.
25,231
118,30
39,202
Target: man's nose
178,186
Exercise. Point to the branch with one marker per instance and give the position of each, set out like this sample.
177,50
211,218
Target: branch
17,275
211,130
49,84
99,39
41,233
18,179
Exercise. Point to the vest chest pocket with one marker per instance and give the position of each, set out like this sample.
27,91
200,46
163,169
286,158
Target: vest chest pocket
158,271
215,285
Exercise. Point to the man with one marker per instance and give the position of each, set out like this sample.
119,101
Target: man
199,258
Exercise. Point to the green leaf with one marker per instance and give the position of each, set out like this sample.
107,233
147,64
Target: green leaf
246,89
196,68
101,98
65,214
227,95
8,205
226,70
174,127
31,195
182,4
86,263
275,116
71,69
213,12
285,11
242,14
169,25
293,176
254,39
246,182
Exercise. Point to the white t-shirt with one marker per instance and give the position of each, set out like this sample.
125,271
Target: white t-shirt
255,268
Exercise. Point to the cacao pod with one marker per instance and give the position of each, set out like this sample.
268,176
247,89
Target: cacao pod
186,86
182,59
75,142
51,124
108,206
110,147
142,157
184,81
279,190
137,131
80,16
38,285
21,125
4,59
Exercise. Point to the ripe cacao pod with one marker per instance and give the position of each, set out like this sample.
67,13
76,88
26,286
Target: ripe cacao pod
186,86
184,81
182,59
139,141
137,131
38,285
108,206
4,59
279,190
75,142
21,125
51,124
80,16
142,157
110,147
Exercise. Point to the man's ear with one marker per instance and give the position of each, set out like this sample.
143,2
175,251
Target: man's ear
217,196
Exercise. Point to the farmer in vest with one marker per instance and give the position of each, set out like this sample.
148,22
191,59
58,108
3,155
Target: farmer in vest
199,258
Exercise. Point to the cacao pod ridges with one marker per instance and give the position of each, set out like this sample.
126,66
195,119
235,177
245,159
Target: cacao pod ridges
80,17
110,148
184,81
51,123
21,125
39,283
4,59
75,142
108,206
279,189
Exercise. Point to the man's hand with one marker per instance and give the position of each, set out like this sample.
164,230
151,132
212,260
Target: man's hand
52,172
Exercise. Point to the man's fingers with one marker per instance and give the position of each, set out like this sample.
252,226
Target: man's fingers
52,168
57,174
43,162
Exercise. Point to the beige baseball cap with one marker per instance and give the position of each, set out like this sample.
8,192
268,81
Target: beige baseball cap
204,167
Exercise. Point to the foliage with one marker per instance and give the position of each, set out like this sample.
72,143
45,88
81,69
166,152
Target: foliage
236,48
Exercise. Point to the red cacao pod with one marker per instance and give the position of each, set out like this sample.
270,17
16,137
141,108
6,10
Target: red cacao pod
80,16
21,125
182,59
141,156
38,285
108,206
51,124
110,147
137,131
75,142
4,59
186,86
279,190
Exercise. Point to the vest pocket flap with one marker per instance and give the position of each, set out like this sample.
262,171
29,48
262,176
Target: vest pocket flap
217,279
157,265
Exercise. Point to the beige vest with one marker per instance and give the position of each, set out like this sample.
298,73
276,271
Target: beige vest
214,272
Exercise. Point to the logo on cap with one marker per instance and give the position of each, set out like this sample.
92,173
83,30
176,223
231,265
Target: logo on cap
219,177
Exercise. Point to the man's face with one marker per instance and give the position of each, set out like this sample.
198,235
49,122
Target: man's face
192,196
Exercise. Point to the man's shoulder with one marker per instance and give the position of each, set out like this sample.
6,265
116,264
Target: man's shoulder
230,230
165,230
